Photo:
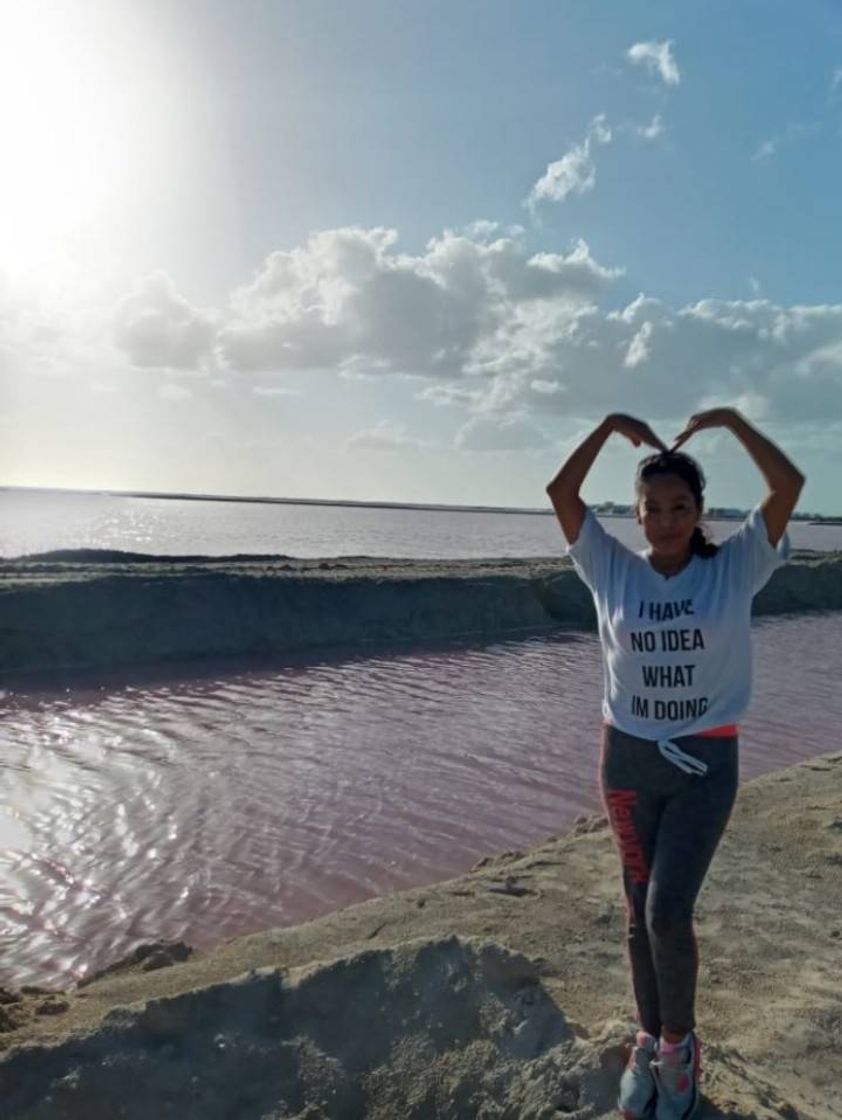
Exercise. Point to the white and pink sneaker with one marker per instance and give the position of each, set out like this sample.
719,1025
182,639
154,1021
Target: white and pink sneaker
637,1085
676,1074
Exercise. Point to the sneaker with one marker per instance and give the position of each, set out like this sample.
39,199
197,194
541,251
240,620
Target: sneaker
677,1081
637,1086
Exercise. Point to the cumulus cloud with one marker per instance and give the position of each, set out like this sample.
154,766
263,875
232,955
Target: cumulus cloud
657,58
574,173
158,328
349,301
386,435
510,336
521,342
638,351
665,362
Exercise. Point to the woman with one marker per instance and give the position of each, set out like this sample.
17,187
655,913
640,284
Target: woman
674,624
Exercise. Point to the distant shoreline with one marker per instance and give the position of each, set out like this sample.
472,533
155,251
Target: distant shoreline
265,500
418,506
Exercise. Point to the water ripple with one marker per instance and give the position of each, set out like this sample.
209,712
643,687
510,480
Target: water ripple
202,810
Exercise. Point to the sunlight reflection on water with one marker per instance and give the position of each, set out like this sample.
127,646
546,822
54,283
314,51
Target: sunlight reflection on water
209,807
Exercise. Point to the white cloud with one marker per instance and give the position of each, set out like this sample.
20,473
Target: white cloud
549,388
836,82
638,351
158,328
507,335
795,131
657,58
752,405
348,301
663,361
653,130
386,435
485,230
517,340
574,173
449,395
765,150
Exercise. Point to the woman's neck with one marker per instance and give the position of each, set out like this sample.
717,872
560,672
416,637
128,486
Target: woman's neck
668,566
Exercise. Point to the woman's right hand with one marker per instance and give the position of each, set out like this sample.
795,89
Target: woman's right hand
635,430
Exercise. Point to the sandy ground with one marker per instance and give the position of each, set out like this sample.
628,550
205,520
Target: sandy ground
501,994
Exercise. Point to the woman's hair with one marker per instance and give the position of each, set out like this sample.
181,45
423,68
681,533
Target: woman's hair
686,468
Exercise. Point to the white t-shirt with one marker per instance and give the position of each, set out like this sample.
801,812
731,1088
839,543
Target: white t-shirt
676,651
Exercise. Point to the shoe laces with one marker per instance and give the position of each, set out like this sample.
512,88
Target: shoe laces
673,1076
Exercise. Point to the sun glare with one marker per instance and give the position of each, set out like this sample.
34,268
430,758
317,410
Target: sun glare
65,136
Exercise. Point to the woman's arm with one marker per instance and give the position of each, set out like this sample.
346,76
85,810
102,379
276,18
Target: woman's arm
564,488
783,477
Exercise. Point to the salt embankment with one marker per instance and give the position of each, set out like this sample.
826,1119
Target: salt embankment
501,995
93,609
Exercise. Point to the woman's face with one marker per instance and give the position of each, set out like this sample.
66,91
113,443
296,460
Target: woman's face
667,513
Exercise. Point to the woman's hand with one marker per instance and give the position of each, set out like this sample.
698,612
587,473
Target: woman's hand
635,430
713,418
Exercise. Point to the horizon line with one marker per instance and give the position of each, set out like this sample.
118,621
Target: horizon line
270,500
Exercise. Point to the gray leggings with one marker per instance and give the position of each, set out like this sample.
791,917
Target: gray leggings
667,825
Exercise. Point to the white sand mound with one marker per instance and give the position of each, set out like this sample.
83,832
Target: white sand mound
448,1029
428,1030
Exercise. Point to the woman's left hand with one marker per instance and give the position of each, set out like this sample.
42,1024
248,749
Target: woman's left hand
713,418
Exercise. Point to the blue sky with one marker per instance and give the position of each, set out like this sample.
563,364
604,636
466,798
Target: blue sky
415,252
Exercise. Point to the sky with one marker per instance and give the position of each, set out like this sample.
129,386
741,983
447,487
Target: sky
397,251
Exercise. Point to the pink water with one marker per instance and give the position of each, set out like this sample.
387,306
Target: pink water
41,522
209,807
